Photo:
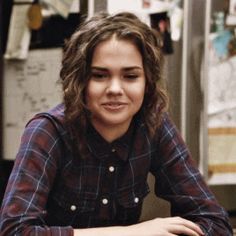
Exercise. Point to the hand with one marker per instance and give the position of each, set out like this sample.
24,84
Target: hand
170,226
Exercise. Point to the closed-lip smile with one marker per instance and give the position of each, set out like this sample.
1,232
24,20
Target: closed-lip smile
114,105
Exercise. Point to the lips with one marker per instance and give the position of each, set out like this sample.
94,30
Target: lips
114,106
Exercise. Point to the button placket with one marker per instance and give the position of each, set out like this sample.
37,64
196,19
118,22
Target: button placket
108,184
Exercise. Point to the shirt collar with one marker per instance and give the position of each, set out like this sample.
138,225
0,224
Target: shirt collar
103,149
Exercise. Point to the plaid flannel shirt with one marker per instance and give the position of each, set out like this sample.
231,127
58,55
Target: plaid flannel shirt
51,191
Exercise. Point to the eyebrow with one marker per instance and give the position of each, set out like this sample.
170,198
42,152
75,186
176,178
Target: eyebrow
124,69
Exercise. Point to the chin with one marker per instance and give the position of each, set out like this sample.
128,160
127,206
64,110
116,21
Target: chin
115,121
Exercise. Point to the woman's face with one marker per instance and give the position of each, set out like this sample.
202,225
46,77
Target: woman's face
115,90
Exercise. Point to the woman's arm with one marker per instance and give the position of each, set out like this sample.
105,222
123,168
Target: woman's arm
24,204
179,181
157,227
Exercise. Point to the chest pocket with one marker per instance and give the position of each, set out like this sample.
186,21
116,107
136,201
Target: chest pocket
70,208
130,201
133,195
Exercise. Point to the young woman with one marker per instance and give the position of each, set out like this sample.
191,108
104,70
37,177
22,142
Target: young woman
82,166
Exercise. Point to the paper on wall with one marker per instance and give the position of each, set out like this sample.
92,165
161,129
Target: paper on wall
19,33
176,20
62,7
114,6
136,6
75,7
30,86
222,86
225,118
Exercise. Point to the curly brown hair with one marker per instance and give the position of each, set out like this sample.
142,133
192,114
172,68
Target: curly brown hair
76,63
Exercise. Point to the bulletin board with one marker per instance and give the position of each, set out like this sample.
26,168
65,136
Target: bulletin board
222,116
31,52
30,86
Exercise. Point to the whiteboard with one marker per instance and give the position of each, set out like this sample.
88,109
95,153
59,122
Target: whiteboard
29,87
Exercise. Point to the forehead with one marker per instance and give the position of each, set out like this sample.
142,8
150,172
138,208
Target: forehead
114,41
115,49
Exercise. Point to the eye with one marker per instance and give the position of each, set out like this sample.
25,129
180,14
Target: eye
98,75
131,76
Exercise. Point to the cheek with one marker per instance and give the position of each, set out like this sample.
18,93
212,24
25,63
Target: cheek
92,93
137,95
139,91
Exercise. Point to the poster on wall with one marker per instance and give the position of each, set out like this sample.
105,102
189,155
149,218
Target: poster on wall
30,86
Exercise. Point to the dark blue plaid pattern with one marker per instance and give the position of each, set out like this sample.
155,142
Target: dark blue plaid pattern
51,191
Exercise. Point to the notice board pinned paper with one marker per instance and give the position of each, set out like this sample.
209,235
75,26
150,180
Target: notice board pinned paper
62,7
30,86
19,33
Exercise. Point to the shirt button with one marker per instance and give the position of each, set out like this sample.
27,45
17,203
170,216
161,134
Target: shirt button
104,201
73,207
111,168
113,150
136,199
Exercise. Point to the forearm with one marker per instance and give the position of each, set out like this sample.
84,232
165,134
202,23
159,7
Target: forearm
27,230
157,227
215,226
106,231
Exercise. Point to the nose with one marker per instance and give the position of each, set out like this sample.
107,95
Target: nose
115,86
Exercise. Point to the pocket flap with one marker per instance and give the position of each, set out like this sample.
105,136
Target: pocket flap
76,202
133,195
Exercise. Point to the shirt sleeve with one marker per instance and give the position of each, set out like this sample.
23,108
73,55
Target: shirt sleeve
179,181
24,205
